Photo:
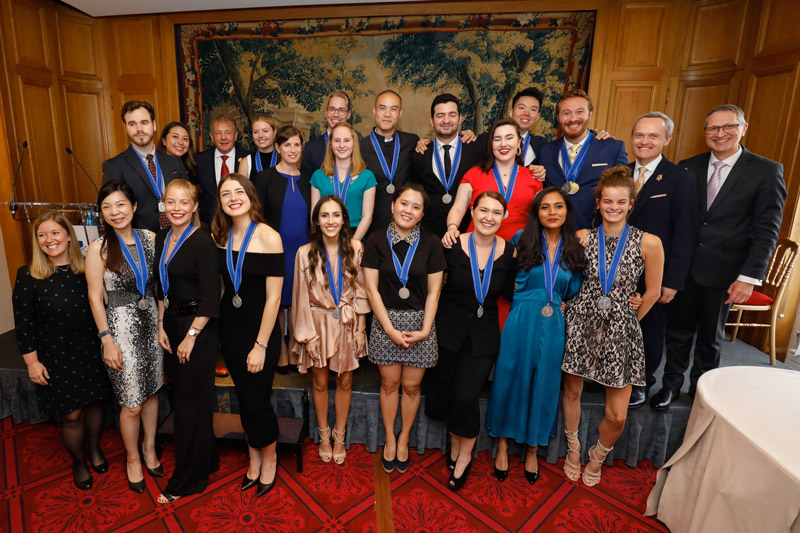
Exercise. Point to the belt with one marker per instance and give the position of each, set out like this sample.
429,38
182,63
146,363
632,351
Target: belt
189,308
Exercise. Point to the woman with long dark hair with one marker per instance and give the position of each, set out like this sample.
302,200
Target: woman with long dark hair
328,314
58,341
252,266
175,140
120,273
528,371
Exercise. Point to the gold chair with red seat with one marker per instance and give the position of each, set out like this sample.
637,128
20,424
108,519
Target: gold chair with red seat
771,295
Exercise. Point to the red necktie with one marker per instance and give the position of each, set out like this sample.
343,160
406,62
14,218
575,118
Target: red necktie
224,170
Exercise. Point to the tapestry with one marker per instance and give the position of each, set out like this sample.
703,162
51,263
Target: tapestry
286,68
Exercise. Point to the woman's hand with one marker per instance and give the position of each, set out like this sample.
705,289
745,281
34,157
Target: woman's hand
635,301
451,237
412,337
255,359
397,337
112,354
361,340
185,349
538,171
38,373
312,347
163,339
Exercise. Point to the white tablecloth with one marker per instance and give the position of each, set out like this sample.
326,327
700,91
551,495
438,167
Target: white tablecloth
738,468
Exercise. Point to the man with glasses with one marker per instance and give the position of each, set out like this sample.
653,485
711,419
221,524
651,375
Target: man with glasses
741,197
337,110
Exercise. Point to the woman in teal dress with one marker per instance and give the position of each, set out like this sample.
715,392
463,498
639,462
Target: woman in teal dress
524,397
345,175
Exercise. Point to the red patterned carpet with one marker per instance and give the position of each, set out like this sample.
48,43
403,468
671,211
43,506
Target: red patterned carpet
37,494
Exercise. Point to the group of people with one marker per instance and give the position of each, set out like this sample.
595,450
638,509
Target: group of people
437,260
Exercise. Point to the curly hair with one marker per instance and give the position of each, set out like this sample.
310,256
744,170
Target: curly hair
316,250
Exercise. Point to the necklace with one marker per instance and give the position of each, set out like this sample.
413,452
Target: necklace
62,268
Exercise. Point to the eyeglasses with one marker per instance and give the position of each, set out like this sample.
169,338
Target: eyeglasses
727,128
335,111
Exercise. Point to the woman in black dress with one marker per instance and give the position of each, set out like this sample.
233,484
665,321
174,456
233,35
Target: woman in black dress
175,140
263,130
469,331
252,267
57,338
188,305
403,268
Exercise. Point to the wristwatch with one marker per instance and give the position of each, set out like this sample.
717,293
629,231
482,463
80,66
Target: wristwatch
194,332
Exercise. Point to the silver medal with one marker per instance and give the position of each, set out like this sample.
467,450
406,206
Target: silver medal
237,301
143,304
337,313
447,198
547,310
161,207
604,303
567,188
390,188
479,313
404,293
166,302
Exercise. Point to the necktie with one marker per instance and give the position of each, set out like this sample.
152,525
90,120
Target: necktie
714,183
163,221
640,179
573,152
448,163
224,170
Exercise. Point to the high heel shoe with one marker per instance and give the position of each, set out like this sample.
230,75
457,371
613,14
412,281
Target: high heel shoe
248,483
154,472
572,470
102,468
597,454
84,484
389,464
264,488
324,436
532,477
137,487
451,463
338,439
501,475
455,483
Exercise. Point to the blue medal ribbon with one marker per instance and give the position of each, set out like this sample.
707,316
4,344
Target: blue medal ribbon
140,270
157,184
509,191
480,284
335,287
525,146
447,181
607,275
571,170
340,189
551,268
388,172
403,270
260,165
163,264
236,273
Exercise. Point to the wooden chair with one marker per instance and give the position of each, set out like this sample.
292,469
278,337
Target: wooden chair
772,292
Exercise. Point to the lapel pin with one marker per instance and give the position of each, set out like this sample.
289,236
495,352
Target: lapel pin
659,177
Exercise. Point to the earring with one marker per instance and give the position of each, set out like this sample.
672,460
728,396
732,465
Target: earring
519,150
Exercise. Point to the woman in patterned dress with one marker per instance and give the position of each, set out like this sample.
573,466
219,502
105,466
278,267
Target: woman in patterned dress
58,341
121,275
604,340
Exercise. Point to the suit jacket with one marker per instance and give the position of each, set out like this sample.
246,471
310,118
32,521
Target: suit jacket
382,214
313,154
422,172
536,143
602,155
737,235
271,187
127,166
207,180
667,207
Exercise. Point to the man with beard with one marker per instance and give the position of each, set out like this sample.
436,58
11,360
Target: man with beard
337,110
444,162
141,167
574,162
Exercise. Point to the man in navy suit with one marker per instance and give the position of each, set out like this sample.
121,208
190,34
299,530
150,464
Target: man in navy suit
576,161
214,163
454,159
141,167
741,197
666,206
337,110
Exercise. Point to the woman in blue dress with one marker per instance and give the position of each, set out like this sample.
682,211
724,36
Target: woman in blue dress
524,398
345,175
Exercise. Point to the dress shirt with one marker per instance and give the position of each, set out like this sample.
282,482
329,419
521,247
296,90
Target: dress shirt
454,144
651,168
218,162
569,146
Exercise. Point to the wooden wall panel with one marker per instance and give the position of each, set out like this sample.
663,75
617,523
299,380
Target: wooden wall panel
779,31
716,34
640,39
44,183
30,34
78,57
134,50
768,93
629,100
84,115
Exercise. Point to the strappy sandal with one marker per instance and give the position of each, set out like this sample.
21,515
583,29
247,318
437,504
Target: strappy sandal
597,454
324,436
572,470
338,440
165,498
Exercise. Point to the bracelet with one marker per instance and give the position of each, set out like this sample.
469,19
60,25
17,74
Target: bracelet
160,320
103,334
261,344
452,224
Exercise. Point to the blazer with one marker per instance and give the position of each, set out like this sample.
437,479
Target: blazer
127,166
667,207
435,219
737,235
602,155
536,143
207,180
382,213
313,154
271,187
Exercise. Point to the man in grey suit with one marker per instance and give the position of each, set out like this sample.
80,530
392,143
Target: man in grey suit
141,167
741,197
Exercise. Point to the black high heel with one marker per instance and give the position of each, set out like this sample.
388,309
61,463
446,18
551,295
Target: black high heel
154,472
248,483
102,468
501,475
455,483
137,487
263,489
532,477
85,484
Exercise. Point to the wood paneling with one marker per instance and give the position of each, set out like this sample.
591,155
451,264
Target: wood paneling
629,100
30,34
716,34
134,51
640,41
44,183
779,31
84,112
78,57
767,94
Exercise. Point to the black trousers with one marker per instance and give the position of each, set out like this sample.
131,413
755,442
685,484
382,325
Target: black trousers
653,336
697,313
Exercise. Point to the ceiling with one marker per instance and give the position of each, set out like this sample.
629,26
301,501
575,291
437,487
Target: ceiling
108,8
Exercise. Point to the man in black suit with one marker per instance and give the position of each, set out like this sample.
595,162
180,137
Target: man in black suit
337,110
445,161
214,163
141,167
741,197
378,150
666,206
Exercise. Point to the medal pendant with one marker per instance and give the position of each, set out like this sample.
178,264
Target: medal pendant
567,187
479,312
505,216
161,207
604,303
390,188
574,187
404,293
237,301
547,311
143,304
447,198
166,302
337,313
